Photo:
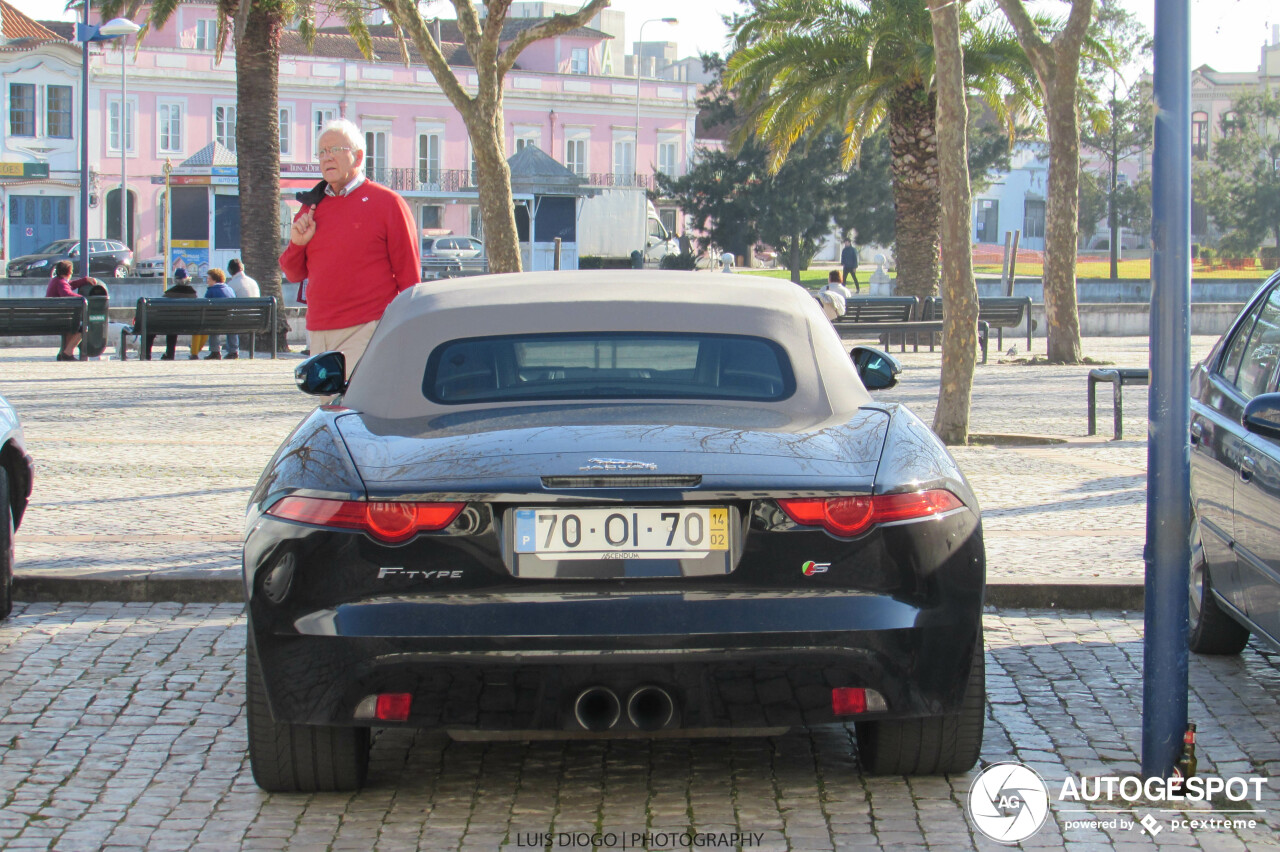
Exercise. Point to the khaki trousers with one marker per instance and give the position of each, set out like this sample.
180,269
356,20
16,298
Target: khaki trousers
351,342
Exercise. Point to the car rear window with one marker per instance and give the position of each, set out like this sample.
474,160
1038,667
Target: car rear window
607,365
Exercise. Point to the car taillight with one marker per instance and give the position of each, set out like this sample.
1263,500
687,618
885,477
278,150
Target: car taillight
385,521
849,516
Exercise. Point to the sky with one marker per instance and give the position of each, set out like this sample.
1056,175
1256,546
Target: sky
1226,34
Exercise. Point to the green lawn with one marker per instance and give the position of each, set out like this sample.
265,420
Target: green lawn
811,278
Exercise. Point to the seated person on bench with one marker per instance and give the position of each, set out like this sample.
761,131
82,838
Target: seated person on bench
60,288
181,289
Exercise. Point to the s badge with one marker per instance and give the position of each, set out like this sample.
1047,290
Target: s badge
810,568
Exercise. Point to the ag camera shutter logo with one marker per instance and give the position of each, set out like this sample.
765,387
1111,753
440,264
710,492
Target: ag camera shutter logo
1008,802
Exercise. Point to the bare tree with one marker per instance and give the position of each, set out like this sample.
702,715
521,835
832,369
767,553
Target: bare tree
1057,66
959,291
481,111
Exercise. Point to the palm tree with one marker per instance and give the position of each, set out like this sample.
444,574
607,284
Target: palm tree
855,65
258,26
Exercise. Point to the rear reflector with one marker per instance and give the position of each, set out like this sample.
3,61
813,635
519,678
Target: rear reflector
385,707
849,516
385,521
393,706
850,701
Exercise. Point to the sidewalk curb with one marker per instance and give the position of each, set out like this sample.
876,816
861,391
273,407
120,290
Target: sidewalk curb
158,589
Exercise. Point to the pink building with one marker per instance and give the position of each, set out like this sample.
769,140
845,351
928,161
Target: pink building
179,99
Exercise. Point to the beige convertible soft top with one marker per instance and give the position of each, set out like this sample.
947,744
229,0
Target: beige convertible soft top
388,383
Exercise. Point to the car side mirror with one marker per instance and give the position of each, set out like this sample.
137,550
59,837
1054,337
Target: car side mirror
322,375
878,370
1262,415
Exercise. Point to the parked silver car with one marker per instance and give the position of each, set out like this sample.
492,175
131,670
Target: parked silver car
452,247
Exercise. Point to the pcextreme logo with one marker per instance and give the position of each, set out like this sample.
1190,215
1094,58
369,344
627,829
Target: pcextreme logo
810,568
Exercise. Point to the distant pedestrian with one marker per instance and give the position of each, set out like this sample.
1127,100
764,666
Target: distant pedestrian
181,289
355,241
60,288
215,288
245,288
849,265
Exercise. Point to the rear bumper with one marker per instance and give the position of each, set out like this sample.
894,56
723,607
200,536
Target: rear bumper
335,618
527,669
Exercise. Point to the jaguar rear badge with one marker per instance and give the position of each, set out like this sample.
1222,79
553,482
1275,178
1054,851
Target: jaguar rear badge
617,464
810,568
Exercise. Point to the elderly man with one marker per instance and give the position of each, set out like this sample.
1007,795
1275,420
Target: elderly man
356,243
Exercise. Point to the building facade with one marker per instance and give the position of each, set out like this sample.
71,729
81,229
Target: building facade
179,98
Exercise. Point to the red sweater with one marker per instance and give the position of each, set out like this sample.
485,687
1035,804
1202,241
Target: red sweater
364,252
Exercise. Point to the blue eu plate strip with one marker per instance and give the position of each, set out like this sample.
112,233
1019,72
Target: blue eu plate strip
526,530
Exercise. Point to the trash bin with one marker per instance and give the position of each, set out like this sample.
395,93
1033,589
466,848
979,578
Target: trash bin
94,342
637,259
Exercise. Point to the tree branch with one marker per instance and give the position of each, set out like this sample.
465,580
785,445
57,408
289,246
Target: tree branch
406,16
555,25
1040,54
469,26
1073,34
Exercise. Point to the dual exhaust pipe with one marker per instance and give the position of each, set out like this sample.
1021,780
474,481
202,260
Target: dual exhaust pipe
648,708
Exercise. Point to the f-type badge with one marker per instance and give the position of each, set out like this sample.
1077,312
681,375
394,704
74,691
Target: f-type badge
810,568
617,464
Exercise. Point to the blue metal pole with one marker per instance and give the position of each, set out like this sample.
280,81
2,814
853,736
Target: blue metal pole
1168,551
84,150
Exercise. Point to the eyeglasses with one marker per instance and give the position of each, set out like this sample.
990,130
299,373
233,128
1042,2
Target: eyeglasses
334,150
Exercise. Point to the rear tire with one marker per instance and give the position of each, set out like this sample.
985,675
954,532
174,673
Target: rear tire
1209,629
6,547
289,758
935,745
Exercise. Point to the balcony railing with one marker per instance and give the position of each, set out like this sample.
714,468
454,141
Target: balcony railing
615,179
459,180
422,180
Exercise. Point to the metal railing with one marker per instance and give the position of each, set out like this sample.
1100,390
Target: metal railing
422,180
615,179
458,180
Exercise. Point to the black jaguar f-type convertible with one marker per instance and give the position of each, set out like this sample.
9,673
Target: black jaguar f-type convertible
610,504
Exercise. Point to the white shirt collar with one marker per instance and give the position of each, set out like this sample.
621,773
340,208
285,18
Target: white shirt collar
349,188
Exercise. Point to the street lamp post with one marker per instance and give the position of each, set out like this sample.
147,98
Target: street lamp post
635,153
635,150
122,27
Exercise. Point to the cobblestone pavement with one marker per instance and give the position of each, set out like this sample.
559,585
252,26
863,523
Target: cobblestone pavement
146,467
121,728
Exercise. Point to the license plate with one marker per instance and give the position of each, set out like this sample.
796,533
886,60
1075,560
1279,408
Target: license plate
619,533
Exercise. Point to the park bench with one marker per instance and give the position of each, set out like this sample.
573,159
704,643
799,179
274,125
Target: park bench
878,309
884,330
453,267
884,316
1118,379
203,316
999,312
22,317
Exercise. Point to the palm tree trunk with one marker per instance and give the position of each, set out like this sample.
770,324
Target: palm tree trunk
258,154
913,143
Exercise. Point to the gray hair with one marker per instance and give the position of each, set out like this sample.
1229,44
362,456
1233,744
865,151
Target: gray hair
349,131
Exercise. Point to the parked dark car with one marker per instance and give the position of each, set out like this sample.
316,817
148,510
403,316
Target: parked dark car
602,504
15,489
107,258
1235,483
